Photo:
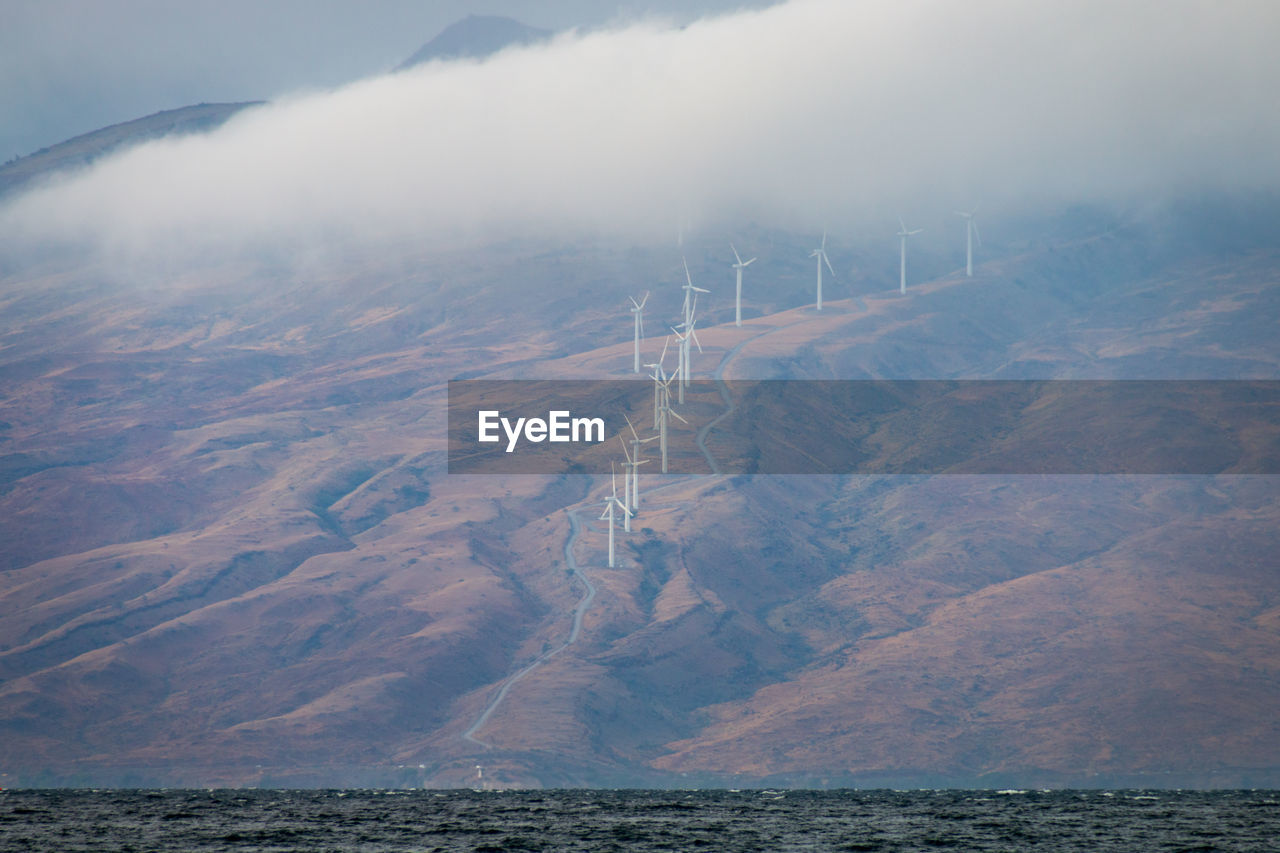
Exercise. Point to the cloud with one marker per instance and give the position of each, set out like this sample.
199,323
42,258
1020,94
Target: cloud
809,112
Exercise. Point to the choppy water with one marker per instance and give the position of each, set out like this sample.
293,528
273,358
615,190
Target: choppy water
638,820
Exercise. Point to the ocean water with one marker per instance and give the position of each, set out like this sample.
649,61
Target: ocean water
269,820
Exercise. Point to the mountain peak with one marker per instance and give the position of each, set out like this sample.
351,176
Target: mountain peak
475,37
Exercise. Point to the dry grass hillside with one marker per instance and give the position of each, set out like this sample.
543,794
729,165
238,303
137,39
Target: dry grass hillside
232,553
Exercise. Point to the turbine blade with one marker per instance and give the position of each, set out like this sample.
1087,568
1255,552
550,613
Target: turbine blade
903,224
644,299
917,231
735,253
687,277
828,263
750,262
824,238
676,415
976,232
625,452
633,302
633,428
695,339
665,344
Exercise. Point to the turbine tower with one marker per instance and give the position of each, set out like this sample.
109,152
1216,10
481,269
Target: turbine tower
821,254
664,412
971,231
636,441
690,333
739,266
685,355
659,375
610,503
904,234
681,361
630,475
637,310
690,292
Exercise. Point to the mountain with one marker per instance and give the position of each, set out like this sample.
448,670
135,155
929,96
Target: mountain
83,150
233,553
475,37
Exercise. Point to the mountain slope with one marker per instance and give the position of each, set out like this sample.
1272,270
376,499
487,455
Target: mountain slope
84,149
233,554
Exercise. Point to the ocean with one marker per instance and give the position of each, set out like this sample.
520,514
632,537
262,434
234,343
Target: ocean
590,820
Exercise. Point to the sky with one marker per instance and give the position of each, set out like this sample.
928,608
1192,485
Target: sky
805,113
72,66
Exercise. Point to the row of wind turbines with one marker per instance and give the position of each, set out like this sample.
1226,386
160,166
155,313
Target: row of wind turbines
686,335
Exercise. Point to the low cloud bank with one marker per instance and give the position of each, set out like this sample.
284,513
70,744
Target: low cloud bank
809,112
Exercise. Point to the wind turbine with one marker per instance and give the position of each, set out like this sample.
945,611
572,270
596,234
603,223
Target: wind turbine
664,411
609,504
690,333
681,361
904,234
659,374
821,254
685,355
971,231
639,324
629,475
739,266
636,441
690,292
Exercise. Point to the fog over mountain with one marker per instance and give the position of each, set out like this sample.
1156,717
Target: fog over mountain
68,67
805,114
233,550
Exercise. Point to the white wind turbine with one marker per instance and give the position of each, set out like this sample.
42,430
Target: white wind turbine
690,292
636,442
630,474
971,231
664,412
686,356
691,334
609,504
821,254
904,234
659,375
690,305
681,361
637,310
739,266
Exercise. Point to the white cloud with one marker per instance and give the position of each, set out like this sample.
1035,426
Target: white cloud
807,112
